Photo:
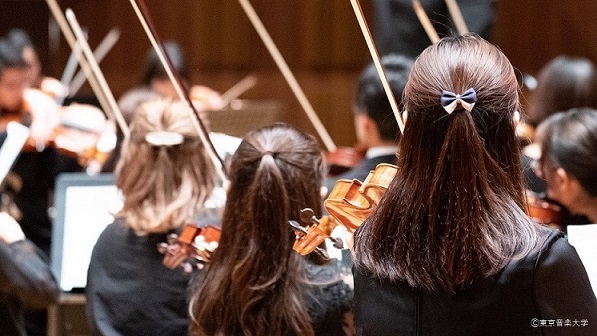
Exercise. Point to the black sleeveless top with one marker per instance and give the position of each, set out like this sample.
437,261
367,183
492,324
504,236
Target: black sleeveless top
546,293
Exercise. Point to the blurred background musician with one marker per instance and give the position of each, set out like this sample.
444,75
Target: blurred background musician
396,28
255,283
165,177
155,79
34,77
25,277
375,125
33,173
569,159
562,84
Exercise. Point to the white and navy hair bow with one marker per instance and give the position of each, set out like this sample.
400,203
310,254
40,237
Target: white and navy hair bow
450,100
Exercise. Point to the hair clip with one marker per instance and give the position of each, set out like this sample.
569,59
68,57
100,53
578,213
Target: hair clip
164,138
450,100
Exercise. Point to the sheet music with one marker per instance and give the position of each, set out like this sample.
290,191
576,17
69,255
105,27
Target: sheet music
584,240
16,136
89,210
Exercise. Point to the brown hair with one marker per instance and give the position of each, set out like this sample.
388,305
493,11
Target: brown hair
254,282
163,186
563,83
569,140
454,213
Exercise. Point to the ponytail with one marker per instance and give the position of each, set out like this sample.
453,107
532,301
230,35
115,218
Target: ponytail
254,270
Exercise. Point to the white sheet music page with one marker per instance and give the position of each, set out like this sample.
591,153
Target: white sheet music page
584,240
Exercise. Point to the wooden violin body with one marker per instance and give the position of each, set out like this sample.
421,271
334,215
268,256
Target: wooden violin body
547,213
351,202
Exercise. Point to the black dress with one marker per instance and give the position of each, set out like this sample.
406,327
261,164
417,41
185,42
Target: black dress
546,293
129,291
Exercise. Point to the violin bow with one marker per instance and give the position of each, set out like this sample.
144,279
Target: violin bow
425,22
72,42
99,53
82,42
456,15
238,89
358,11
143,15
292,82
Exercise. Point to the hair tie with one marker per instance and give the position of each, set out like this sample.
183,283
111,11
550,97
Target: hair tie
164,138
270,153
450,100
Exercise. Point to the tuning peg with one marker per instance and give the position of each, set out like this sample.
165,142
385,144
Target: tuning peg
162,248
172,238
308,216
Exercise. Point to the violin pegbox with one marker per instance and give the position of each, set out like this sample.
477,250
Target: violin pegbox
308,217
192,248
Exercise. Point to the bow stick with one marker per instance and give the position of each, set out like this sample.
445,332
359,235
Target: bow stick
292,82
456,15
99,53
76,28
143,15
238,89
72,42
425,22
356,6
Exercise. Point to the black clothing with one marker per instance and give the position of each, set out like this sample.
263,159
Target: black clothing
328,300
548,286
129,291
25,282
398,30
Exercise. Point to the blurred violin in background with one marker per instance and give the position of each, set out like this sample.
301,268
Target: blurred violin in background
192,248
74,130
547,212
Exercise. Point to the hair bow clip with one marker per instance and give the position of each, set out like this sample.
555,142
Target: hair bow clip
450,100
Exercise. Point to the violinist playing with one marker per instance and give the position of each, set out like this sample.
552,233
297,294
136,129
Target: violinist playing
569,159
155,80
34,171
255,283
165,177
375,126
450,248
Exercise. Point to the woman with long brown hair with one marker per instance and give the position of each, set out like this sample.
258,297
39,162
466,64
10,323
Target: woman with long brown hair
165,177
256,284
450,250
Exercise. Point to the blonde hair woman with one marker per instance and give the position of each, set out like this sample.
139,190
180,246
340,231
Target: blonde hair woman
165,177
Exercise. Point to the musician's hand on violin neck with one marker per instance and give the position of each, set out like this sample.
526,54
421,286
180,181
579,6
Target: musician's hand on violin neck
45,116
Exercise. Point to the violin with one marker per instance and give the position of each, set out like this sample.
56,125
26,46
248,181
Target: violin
343,159
546,212
349,203
309,239
73,130
192,248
